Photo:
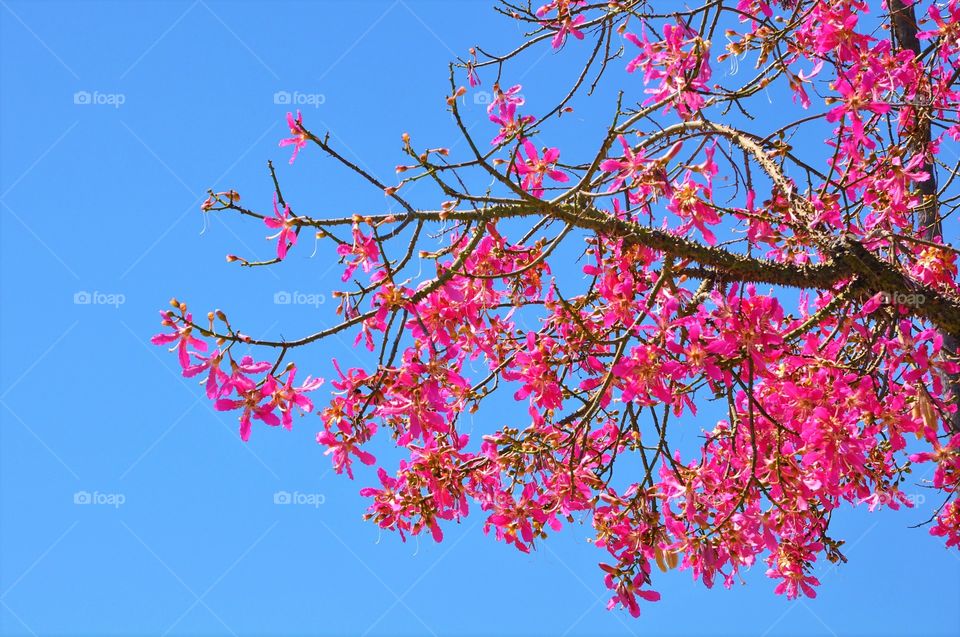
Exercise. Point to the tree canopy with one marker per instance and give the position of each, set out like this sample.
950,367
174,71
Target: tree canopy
806,288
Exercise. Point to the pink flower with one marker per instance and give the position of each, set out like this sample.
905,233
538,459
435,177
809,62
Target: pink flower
790,564
215,376
287,223
289,397
627,168
534,168
363,252
182,334
697,213
472,76
854,97
564,22
503,111
341,447
679,65
238,380
251,403
935,266
948,523
299,135
801,78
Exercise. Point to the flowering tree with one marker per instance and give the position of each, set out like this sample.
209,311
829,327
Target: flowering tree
809,293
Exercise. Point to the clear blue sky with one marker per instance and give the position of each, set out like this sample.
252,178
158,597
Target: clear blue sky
103,198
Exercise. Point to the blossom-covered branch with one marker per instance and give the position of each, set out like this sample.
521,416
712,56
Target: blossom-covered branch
787,266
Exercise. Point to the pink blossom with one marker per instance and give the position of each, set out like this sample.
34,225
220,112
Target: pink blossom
363,252
342,448
534,168
288,397
251,401
503,111
211,364
565,22
287,223
298,134
183,335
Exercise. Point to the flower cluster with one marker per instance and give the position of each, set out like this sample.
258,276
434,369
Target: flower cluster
250,386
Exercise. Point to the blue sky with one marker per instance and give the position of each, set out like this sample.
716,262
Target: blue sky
101,198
